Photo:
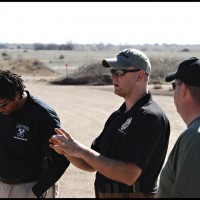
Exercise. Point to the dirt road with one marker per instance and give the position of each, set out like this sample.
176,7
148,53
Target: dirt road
83,111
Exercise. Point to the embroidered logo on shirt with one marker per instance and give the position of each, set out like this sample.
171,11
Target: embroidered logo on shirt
125,125
21,132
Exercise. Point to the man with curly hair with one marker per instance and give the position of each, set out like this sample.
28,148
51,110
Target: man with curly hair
29,168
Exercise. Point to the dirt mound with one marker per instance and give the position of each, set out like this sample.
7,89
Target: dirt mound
27,67
86,80
93,74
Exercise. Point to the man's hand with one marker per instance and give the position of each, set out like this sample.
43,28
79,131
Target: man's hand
63,143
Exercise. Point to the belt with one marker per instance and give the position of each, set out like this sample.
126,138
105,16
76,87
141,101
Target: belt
116,190
116,187
17,180
124,195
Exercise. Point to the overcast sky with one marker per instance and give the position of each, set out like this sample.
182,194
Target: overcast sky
100,22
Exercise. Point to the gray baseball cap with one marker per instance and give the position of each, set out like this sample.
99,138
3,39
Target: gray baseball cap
129,58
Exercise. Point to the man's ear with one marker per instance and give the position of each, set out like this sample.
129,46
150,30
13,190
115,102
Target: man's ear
140,75
183,90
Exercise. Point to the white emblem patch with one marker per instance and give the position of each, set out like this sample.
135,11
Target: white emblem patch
126,124
22,130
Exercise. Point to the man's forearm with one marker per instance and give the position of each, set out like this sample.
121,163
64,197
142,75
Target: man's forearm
80,163
120,171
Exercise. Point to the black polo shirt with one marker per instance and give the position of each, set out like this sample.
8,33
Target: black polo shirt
141,136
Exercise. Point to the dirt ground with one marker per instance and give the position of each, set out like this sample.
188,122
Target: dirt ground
83,111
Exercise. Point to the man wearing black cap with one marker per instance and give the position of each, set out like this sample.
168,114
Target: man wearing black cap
129,153
180,178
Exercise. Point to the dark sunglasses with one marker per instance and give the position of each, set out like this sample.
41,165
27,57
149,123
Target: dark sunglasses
173,86
122,72
4,104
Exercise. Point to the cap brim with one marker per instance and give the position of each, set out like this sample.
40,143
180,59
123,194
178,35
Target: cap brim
114,63
170,77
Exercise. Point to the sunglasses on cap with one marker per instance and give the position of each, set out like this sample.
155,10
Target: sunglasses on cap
4,104
122,72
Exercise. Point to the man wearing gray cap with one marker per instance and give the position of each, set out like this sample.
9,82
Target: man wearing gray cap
130,151
180,177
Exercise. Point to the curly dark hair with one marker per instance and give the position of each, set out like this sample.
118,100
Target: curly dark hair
10,83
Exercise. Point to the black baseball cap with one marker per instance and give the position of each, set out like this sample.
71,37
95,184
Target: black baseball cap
188,72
